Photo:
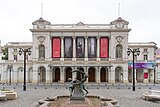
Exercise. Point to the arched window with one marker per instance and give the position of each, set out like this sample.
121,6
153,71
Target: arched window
41,51
119,51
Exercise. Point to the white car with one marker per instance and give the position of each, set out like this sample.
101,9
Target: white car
153,95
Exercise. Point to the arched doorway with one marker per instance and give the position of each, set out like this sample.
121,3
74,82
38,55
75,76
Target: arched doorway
30,75
20,75
118,74
91,74
42,74
68,73
56,74
104,74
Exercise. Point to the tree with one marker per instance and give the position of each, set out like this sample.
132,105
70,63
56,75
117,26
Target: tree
5,53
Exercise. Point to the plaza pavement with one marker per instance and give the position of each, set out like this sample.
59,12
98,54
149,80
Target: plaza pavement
122,92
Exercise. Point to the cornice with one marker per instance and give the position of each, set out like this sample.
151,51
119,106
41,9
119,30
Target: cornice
80,30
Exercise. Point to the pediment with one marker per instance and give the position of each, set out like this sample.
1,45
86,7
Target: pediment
80,24
119,23
41,23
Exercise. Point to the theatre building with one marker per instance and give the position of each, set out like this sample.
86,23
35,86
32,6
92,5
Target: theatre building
58,49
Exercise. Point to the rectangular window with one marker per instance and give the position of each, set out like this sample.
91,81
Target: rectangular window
56,47
92,47
104,47
68,47
15,57
145,50
145,57
80,47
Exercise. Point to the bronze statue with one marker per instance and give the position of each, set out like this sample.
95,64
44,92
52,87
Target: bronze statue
81,77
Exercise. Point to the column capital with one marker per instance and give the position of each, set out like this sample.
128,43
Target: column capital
62,37
86,37
74,37
98,37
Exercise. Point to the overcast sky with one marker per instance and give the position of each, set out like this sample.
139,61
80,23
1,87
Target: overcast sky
17,16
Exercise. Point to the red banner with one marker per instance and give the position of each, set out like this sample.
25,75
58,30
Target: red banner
104,47
56,48
145,75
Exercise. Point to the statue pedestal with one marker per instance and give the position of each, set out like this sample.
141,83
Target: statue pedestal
78,94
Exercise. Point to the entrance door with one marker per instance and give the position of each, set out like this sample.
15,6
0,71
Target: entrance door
103,75
91,74
68,73
57,74
42,74
118,74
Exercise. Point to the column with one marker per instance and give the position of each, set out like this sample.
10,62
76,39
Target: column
86,48
86,71
35,75
97,74
125,76
62,48
74,48
61,74
48,75
73,74
98,48
111,75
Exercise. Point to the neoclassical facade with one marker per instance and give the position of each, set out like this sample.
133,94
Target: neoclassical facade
58,49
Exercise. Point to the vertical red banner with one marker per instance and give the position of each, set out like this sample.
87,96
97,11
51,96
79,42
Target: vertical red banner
56,48
104,47
145,75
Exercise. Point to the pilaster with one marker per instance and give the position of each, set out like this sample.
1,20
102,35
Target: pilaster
62,48
74,48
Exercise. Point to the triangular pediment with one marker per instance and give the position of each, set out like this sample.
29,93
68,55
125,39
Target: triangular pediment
80,24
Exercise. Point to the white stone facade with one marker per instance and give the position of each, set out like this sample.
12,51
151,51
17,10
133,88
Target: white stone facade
43,66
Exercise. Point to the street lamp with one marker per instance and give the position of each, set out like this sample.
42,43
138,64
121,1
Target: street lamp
154,67
20,53
134,52
10,67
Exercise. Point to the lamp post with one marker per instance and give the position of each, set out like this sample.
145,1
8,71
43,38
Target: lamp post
154,67
134,52
10,67
20,53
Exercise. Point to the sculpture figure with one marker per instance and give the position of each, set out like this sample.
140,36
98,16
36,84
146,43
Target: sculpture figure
77,85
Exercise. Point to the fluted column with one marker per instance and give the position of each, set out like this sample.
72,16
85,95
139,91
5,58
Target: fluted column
74,48
86,48
62,48
98,48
